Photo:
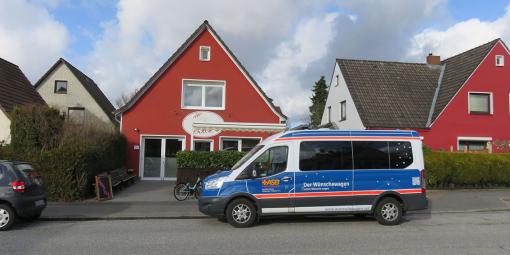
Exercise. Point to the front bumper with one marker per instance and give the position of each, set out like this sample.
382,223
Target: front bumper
213,206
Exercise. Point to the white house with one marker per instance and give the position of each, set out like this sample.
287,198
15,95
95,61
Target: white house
75,95
15,90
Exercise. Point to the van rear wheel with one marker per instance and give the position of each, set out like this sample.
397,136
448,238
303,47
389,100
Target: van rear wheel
241,213
388,212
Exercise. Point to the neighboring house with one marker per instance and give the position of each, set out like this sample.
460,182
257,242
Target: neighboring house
75,95
15,90
201,99
460,103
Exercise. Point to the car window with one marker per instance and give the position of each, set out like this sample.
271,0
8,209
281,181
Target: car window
247,156
271,162
325,155
6,176
29,174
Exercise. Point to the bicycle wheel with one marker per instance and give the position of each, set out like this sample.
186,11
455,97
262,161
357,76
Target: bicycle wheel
181,192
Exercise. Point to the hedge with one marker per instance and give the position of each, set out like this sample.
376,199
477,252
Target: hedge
70,159
467,170
206,159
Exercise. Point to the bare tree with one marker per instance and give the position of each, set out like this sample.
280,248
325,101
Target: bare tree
125,98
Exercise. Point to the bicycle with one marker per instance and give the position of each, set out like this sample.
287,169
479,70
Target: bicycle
184,190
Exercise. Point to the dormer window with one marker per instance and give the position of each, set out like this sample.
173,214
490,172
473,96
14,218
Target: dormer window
60,87
205,53
500,60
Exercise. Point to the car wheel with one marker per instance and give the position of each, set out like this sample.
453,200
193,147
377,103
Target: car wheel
7,217
388,212
241,213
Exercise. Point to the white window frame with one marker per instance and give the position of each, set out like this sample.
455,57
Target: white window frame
476,139
343,103
211,141
502,63
491,103
238,139
196,83
208,53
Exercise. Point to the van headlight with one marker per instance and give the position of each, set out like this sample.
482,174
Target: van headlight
215,184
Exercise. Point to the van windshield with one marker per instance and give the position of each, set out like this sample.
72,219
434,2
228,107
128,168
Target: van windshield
247,156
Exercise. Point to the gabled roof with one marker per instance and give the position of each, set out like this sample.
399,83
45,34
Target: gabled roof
204,26
390,94
401,95
457,70
89,84
15,88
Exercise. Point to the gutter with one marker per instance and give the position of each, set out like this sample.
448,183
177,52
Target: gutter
436,94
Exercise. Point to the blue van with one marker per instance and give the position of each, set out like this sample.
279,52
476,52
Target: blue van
379,173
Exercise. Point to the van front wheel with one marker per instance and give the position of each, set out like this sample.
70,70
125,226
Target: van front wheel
241,213
388,212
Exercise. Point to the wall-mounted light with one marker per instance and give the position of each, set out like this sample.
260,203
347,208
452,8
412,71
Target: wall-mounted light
137,130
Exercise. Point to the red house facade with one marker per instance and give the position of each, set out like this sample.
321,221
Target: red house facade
458,104
203,99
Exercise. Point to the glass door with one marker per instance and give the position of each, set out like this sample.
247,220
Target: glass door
159,161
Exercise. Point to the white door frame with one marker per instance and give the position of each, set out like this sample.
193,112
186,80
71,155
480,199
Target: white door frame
163,152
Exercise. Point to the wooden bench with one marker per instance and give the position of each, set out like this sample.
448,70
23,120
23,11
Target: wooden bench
121,177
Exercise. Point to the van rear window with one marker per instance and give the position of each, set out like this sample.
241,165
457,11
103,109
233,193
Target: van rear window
325,155
401,154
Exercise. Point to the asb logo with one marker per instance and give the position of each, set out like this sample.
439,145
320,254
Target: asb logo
271,182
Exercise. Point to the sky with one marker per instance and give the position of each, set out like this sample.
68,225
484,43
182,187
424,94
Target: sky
285,45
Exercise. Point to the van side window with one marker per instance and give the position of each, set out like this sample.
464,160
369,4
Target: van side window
401,154
371,155
271,162
325,155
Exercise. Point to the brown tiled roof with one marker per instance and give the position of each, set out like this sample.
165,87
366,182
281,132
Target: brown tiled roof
400,95
15,88
457,70
89,85
204,26
390,94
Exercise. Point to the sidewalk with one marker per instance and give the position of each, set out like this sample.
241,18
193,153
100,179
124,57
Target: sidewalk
154,200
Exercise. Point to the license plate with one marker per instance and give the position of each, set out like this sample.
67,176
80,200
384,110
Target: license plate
39,202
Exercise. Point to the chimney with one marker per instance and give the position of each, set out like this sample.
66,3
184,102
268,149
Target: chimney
433,60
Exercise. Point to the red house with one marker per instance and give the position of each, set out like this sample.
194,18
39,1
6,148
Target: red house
202,98
460,104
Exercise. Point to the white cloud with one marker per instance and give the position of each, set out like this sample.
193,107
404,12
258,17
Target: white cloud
459,37
286,45
30,37
281,75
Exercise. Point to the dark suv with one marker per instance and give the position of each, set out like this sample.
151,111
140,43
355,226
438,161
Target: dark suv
21,193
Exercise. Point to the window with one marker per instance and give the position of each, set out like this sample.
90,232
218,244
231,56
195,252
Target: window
247,156
343,110
500,60
271,162
199,145
480,103
337,80
325,155
6,176
401,154
473,145
238,144
76,114
205,53
60,87
203,95
370,155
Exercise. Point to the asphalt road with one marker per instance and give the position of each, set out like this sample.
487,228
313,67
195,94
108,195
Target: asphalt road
448,233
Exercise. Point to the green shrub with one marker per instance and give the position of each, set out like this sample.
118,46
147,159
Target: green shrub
467,169
68,155
207,159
